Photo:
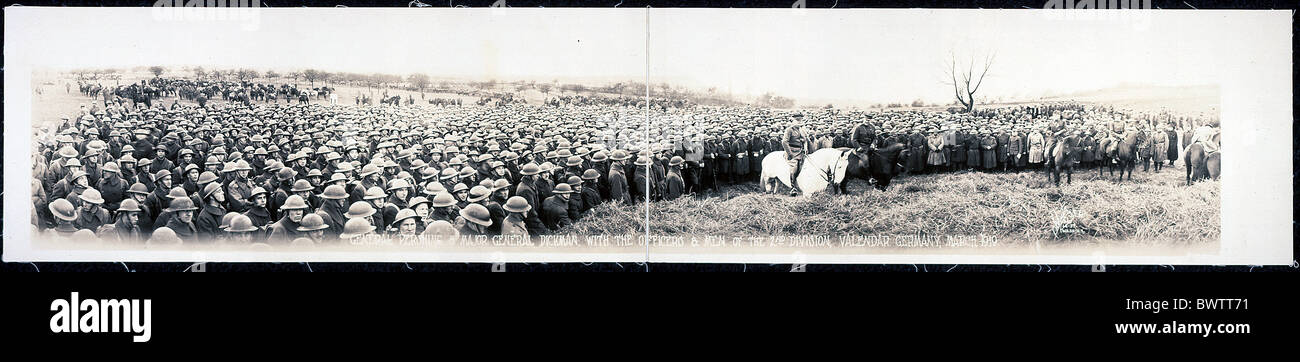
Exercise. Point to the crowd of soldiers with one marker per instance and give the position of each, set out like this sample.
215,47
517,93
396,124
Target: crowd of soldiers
726,145
279,173
324,174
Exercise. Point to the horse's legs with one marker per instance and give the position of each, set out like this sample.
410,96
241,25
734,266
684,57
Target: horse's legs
1069,174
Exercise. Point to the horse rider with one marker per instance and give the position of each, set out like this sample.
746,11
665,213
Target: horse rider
863,140
796,143
1204,135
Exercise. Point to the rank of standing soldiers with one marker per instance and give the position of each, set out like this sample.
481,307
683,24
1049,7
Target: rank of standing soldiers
135,171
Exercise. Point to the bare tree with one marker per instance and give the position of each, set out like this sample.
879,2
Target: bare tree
245,74
311,75
961,79
419,81
544,88
157,70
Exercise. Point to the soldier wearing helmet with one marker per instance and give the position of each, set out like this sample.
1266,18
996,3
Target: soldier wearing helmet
127,227
90,216
181,217
555,209
210,216
257,212
514,223
239,188
294,209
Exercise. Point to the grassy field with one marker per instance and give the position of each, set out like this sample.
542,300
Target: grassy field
1019,208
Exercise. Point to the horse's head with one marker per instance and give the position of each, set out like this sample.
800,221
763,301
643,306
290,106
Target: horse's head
883,163
884,160
856,164
842,165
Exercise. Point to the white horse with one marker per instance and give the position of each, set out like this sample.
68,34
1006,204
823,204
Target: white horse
820,169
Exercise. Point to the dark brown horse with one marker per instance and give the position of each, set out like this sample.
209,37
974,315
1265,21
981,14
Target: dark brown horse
882,166
1199,165
1107,152
1127,155
1062,158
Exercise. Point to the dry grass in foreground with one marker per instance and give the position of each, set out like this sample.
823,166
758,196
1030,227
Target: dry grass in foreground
1154,208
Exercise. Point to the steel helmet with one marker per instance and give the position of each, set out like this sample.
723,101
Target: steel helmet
529,169
360,209
312,222
301,185
443,199
477,214
225,220
403,215
112,167
563,189
176,193
398,184
241,224
369,169
163,236
208,190
334,192
129,205
500,184
181,204
433,188
441,228
356,227
374,192
517,204
92,196
206,177
478,193
294,202
63,210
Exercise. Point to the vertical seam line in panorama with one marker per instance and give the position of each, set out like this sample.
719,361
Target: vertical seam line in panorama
646,132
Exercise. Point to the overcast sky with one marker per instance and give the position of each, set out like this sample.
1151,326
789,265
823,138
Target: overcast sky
487,43
812,55
899,55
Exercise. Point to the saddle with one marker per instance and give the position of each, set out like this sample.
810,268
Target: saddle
864,155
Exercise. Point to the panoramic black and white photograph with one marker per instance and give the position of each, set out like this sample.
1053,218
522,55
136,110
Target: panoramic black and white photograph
687,133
